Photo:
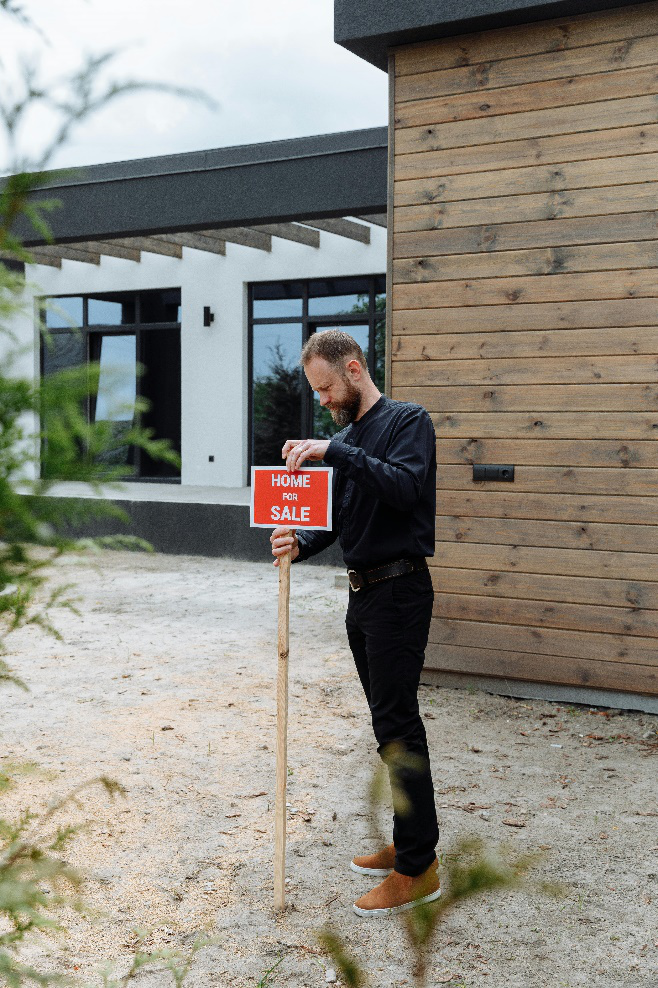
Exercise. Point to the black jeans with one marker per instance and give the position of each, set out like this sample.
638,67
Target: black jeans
387,628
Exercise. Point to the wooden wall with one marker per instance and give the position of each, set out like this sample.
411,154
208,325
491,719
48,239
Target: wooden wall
525,318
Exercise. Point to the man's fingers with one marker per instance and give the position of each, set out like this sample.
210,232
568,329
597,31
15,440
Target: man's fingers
297,456
288,445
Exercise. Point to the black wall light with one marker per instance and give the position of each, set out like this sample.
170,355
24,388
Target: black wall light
208,316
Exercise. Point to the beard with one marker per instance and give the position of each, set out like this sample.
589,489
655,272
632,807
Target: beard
345,411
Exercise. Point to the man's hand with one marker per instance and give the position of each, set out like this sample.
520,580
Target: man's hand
284,540
296,451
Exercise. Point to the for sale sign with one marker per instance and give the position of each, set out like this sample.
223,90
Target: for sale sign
300,499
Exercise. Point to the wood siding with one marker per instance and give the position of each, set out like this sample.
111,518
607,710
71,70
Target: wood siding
524,290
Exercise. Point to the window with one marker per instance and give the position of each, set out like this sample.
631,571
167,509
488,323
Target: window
282,316
125,333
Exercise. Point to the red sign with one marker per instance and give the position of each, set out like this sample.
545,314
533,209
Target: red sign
299,499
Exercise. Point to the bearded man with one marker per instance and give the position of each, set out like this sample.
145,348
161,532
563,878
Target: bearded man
384,506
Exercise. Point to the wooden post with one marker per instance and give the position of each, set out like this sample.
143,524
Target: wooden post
281,736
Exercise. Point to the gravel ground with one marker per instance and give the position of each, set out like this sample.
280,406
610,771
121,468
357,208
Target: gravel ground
167,684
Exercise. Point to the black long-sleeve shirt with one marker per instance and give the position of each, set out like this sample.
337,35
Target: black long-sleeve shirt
384,487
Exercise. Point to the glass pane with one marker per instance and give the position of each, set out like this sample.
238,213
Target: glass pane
277,300
161,306
277,308
338,296
115,401
323,424
380,352
117,384
277,390
111,310
380,293
161,386
62,350
62,313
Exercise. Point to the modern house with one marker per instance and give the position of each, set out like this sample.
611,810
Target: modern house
518,181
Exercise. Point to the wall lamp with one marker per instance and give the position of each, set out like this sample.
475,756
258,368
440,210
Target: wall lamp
208,316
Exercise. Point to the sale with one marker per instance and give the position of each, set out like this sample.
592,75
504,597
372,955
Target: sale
297,500
288,513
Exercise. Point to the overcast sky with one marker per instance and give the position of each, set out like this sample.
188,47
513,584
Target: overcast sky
271,65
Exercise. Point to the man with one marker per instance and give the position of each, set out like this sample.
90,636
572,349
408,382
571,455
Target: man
384,505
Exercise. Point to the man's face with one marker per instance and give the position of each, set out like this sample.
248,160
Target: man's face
339,392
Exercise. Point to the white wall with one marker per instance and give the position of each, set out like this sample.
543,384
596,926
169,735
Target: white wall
214,385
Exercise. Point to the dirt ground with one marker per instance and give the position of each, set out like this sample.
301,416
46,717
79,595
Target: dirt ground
167,684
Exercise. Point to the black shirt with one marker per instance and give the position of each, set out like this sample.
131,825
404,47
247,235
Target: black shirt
384,487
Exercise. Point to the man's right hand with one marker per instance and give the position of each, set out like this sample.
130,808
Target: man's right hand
284,541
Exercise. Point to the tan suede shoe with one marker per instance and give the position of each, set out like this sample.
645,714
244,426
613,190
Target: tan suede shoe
399,892
379,864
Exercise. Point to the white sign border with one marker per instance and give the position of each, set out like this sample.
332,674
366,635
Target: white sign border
321,528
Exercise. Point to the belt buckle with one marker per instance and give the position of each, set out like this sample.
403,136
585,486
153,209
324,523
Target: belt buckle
349,577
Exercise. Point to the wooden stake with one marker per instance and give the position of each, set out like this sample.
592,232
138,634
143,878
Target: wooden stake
281,736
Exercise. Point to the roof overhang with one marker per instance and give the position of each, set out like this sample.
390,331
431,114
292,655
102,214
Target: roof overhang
323,177
370,27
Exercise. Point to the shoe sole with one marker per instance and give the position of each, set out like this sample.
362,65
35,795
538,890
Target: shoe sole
392,910
377,872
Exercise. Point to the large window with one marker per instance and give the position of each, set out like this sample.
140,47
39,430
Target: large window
282,316
123,331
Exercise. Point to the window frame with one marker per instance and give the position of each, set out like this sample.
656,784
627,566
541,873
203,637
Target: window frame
137,327
308,324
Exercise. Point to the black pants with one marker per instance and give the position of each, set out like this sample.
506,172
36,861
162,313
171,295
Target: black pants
387,628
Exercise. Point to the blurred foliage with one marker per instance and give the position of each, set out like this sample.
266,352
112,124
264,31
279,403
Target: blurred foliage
45,434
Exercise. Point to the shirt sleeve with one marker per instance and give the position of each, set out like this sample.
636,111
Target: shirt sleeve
314,540
399,480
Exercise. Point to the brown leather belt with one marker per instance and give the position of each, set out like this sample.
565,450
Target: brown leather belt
358,581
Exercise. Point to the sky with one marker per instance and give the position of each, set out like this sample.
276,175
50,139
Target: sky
271,66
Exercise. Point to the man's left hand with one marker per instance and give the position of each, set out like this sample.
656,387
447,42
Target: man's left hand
296,451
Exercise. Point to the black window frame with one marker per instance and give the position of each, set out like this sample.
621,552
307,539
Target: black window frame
308,324
138,328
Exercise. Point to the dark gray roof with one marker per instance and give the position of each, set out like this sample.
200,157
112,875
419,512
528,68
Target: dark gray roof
370,27
326,175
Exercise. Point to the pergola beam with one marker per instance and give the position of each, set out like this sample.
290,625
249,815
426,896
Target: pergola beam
195,240
37,258
152,245
110,249
241,235
377,219
291,231
342,228
70,252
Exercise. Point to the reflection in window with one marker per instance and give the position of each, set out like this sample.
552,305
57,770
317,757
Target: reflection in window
115,399
338,296
161,306
117,384
111,310
337,305
277,308
61,350
380,353
62,313
277,389
279,300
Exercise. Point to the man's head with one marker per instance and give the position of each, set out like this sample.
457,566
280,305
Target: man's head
336,369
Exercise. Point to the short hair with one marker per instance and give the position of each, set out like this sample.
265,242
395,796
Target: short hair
334,346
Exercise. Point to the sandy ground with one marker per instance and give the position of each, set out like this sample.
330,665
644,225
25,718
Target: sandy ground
167,684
